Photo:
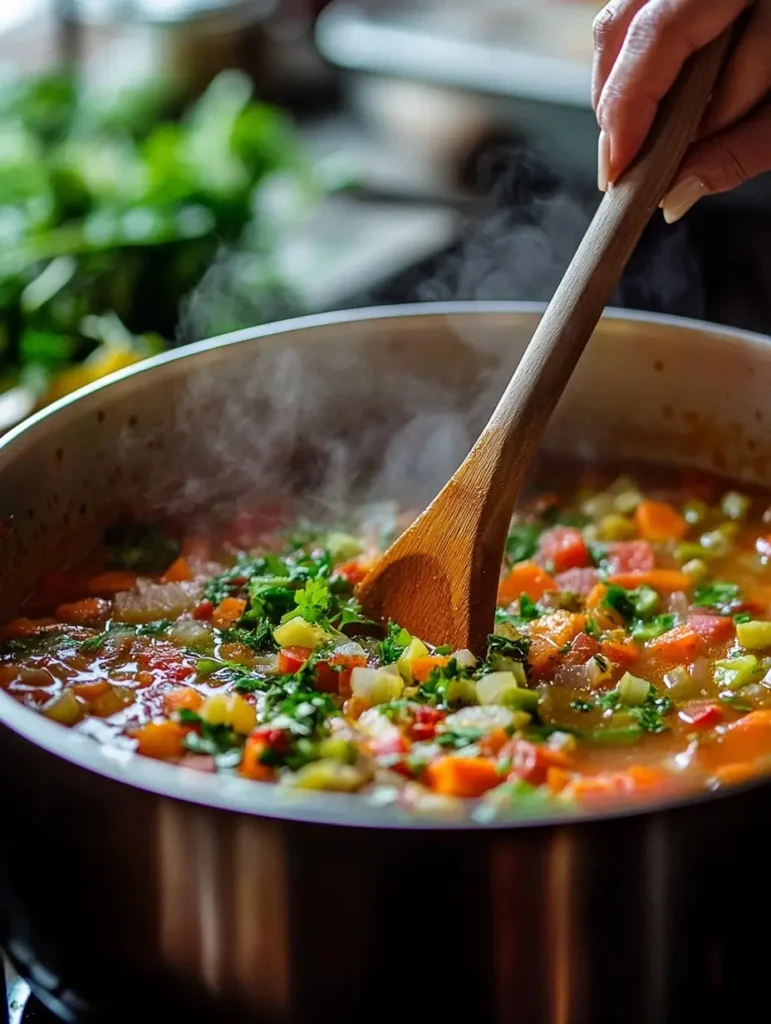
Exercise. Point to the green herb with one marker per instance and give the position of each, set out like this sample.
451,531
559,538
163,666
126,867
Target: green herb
458,737
649,716
243,680
443,651
528,609
522,542
718,595
396,641
260,639
632,604
742,617
592,629
448,685
582,705
502,651
48,643
141,547
119,629
659,624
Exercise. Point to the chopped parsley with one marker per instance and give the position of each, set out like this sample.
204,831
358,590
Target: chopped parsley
117,629
396,642
631,605
522,542
502,651
458,737
649,716
718,595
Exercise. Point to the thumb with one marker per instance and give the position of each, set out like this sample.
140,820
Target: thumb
721,163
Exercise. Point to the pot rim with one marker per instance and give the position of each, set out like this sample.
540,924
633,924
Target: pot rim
267,800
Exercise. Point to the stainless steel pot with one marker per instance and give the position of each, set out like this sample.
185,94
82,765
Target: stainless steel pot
180,896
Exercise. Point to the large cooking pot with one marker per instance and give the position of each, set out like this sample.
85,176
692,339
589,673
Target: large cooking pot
176,896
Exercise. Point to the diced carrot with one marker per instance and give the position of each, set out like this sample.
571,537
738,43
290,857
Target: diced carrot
493,742
108,583
604,616
644,776
161,740
735,774
743,741
183,697
228,612
91,611
549,635
251,765
620,652
557,778
656,520
713,629
90,691
666,581
680,645
462,776
564,547
591,789
525,578
355,707
422,668
178,572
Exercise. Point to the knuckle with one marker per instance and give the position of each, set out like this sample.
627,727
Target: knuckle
604,25
734,170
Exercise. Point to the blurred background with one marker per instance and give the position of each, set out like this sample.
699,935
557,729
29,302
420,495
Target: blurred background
173,169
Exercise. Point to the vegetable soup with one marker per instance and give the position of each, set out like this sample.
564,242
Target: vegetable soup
630,658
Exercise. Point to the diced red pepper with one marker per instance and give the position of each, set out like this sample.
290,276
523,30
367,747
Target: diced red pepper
292,659
531,761
702,716
423,726
578,581
278,740
353,571
203,611
564,548
713,629
630,556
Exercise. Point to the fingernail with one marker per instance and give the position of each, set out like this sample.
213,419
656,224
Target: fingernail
677,202
603,162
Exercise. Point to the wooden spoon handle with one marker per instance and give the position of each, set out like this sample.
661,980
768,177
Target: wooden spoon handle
504,452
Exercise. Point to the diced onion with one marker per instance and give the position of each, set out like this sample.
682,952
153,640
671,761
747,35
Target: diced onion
485,717
465,658
376,686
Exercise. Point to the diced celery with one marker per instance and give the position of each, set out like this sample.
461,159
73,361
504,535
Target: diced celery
299,633
415,649
616,527
695,511
646,601
484,717
376,686
734,673
461,691
622,736
342,546
735,505
328,774
504,688
754,635
644,631
632,690
65,709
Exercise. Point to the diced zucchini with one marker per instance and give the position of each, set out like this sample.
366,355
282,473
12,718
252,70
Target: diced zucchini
65,709
754,635
328,774
415,649
342,547
506,688
376,686
616,527
299,633
735,505
734,673
486,718
632,690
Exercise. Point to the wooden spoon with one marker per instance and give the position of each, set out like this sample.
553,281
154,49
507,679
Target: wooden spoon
440,578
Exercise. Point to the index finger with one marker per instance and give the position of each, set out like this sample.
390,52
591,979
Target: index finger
661,38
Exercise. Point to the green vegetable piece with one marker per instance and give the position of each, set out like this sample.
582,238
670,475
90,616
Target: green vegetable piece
342,547
615,737
718,595
522,542
632,690
734,673
644,631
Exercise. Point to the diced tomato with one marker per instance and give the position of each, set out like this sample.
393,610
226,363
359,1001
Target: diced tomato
292,659
166,661
353,571
334,675
713,629
564,548
203,611
531,761
577,581
702,716
630,556
278,740
423,727
581,650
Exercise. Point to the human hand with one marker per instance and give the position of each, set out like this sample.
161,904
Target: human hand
640,49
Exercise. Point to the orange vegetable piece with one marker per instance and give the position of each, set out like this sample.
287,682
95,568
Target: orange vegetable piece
742,742
624,652
549,635
604,616
90,691
557,778
681,644
462,776
423,667
228,612
734,774
162,740
25,627
493,742
656,520
666,581
182,697
251,766
108,583
178,572
92,611
525,578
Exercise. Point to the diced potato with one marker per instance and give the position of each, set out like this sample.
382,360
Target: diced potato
113,700
461,691
328,774
194,634
232,710
243,715
65,709
465,658
754,635
299,633
485,717
376,686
